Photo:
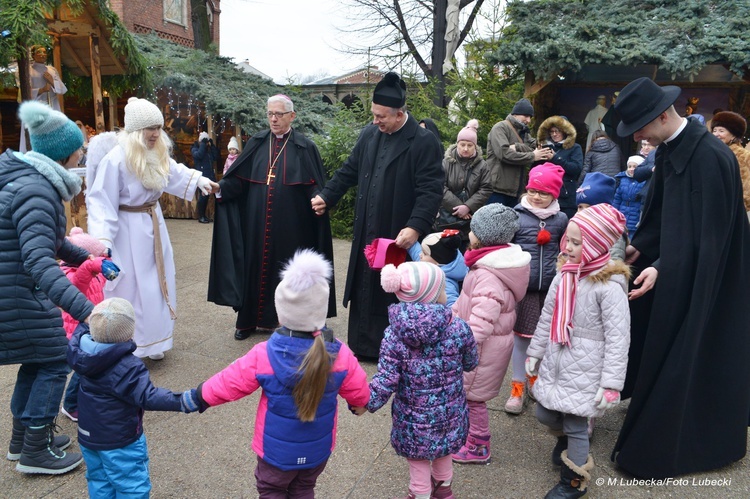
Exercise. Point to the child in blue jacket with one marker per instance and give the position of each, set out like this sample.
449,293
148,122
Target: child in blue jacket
442,249
114,391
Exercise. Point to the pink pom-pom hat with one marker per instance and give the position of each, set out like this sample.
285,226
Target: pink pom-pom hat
413,281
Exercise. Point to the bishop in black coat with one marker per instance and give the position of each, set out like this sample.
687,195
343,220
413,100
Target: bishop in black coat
262,217
690,370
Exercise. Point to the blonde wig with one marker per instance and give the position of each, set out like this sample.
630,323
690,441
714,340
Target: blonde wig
150,166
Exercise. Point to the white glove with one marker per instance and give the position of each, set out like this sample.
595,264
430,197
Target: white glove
607,398
531,366
204,185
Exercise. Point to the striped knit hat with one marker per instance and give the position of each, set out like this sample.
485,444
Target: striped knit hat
601,226
413,281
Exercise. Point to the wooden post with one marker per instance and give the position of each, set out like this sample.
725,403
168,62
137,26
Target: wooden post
112,112
238,134
58,67
210,125
96,82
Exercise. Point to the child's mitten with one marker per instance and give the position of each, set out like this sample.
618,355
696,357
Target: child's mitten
110,271
531,366
190,401
607,398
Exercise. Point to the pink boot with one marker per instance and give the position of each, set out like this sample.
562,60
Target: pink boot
476,450
440,491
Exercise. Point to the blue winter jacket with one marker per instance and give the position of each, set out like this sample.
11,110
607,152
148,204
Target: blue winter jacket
205,155
628,199
455,272
114,391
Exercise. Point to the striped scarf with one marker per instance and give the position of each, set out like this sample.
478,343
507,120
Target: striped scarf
601,226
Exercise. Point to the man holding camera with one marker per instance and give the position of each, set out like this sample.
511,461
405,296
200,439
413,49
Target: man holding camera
205,154
511,149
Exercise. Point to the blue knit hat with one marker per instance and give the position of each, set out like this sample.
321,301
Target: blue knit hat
596,188
51,132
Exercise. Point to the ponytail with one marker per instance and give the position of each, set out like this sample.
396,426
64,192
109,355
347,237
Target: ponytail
315,368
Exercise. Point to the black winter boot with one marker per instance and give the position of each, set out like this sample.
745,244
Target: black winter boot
574,480
560,446
16,440
39,455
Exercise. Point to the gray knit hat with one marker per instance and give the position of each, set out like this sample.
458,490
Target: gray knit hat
140,114
494,224
112,321
523,107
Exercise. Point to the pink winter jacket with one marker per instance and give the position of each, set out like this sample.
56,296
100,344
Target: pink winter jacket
493,286
89,280
272,366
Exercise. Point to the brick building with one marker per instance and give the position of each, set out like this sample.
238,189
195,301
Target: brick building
169,19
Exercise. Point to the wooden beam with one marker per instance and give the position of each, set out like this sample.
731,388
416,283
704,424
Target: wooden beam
58,67
96,83
76,28
532,85
111,54
78,60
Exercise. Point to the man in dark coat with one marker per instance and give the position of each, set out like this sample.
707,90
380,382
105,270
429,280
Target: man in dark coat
691,397
397,168
263,217
205,154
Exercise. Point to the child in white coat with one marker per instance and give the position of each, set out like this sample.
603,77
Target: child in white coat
582,340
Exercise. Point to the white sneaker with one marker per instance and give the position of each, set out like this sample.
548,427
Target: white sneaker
156,356
72,415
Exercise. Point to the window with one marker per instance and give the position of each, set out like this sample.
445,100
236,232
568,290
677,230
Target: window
174,11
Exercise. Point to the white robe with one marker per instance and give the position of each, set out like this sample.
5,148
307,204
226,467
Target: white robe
36,76
131,237
593,122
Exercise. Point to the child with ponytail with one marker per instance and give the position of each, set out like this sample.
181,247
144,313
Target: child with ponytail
301,369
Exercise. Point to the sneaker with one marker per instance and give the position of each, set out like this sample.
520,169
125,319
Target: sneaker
72,415
157,356
515,403
476,450
530,380
440,491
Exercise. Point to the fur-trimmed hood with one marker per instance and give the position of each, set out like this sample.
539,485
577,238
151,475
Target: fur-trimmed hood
567,128
615,267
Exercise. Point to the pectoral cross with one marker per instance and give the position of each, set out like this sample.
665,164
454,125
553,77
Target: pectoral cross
270,177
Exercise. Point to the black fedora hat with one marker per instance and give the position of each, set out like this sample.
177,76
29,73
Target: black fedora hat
640,102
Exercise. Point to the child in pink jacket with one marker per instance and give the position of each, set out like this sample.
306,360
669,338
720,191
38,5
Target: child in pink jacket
301,369
89,277
497,280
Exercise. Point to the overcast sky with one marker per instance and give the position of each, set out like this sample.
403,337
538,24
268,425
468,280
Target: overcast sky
283,38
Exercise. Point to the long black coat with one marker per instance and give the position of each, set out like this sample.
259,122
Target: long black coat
407,194
691,399
32,236
237,251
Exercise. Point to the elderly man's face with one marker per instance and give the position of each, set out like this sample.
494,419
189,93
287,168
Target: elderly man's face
386,118
279,119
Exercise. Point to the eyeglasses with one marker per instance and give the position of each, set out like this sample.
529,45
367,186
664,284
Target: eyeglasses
271,114
541,194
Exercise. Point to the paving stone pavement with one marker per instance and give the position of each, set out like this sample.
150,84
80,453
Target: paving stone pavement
208,455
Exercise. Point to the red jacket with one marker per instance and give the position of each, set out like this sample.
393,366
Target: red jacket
89,280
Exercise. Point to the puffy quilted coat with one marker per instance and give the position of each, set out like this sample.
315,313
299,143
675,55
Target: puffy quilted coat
478,185
603,157
569,377
89,280
32,236
543,265
423,356
628,200
281,439
493,286
115,389
568,154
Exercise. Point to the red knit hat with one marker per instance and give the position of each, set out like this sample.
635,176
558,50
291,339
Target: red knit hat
382,251
547,177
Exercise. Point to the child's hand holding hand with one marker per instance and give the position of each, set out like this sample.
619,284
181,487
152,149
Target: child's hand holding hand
607,398
192,402
531,366
357,411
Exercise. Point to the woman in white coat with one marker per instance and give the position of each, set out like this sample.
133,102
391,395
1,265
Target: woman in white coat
122,201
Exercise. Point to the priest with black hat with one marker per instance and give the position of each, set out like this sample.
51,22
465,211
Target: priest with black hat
397,168
688,374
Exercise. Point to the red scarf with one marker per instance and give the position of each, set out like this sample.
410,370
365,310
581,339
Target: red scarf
472,256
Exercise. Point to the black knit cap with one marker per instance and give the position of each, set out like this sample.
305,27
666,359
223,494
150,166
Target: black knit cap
390,91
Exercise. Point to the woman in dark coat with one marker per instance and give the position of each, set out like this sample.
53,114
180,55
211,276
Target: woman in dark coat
32,236
603,156
559,134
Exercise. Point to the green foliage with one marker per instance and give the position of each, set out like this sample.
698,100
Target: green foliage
483,91
681,37
224,89
334,148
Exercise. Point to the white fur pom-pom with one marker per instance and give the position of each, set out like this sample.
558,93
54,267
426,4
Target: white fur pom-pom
306,269
33,114
390,278
473,123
